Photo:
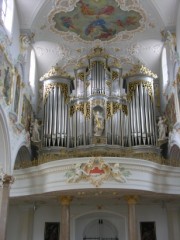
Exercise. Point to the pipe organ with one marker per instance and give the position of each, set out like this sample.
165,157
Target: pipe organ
55,99
95,108
141,110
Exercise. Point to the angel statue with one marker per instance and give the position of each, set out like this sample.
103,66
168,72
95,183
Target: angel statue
35,132
98,123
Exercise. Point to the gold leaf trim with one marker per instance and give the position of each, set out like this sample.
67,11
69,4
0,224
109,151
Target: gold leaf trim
133,86
140,69
51,86
55,71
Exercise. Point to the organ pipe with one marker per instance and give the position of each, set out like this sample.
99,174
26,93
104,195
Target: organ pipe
69,119
138,116
147,117
134,119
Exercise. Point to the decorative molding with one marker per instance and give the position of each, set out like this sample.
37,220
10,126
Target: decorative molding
82,107
113,107
55,71
139,69
131,199
133,85
45,157
65,200
136,48
96,171
174,136
98,51
6,179
64,88
25,40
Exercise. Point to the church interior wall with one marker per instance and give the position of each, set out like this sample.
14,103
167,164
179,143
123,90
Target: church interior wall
81,216
27,221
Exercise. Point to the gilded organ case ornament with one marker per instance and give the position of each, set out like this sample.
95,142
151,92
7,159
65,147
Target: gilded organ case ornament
93,111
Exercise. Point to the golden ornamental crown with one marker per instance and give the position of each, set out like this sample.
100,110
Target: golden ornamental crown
142,70
55,71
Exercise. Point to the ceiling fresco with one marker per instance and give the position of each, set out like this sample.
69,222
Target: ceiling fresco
65,31
92,20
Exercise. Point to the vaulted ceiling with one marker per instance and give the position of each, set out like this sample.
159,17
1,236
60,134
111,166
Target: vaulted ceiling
66,30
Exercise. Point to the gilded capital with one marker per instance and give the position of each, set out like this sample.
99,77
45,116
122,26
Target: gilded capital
131,199
6,179
65,200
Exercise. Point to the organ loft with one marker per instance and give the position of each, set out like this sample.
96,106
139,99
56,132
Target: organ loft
100,111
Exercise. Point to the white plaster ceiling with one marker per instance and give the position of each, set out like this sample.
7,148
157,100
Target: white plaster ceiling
144,45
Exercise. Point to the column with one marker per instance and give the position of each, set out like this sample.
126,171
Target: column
132,231
65,217
5,181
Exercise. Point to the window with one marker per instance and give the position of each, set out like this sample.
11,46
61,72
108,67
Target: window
164,69
3,8
7,8
32,70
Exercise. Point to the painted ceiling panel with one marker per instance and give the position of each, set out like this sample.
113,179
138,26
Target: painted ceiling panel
97,20
128,30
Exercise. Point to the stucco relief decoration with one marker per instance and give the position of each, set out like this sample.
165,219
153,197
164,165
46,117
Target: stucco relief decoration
27,113
170,41
5,178
6,76
170,113
96,171
55,71
174,135
26,40
103,20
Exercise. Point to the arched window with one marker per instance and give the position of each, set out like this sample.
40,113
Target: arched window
3,9
164,69
7,9
32,70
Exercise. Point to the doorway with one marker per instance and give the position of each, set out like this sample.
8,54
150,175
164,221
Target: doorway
101,225
100,229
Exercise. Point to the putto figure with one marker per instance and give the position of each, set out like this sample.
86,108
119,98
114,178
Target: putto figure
35,132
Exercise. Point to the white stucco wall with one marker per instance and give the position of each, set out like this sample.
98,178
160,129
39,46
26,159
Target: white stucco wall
178,29
21,219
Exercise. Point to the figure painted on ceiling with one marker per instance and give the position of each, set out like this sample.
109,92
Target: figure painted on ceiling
107,10
85,9
68,23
